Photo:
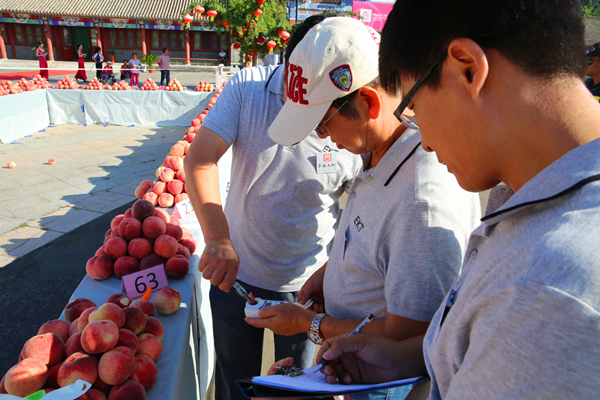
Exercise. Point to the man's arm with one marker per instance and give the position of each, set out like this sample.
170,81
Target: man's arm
219,262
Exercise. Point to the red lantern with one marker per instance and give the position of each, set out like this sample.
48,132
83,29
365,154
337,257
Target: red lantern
212,14
236,46
285,35
248,59
271,44
260,2
252,53
226,25
188,19
258,12
260,40
198,9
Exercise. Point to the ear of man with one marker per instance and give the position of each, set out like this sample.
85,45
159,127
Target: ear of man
467,60
369,102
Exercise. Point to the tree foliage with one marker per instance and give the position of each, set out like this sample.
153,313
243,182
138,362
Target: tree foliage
590,8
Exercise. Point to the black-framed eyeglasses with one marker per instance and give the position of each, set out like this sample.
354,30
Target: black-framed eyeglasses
318,128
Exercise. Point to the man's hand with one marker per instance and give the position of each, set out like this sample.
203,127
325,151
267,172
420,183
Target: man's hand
366,358
283,319
313,290
219,263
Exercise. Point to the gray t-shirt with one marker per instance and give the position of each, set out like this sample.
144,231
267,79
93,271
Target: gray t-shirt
399,247
137,63
281,213
525,323
164,61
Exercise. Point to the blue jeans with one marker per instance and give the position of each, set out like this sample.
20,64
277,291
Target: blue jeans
239,346
165,75
395,393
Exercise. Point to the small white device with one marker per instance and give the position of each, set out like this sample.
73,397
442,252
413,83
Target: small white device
251,310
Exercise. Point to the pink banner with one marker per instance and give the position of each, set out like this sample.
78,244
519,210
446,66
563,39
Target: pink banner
373,14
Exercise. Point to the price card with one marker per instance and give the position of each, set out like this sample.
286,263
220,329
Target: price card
136,284
183,209
326,163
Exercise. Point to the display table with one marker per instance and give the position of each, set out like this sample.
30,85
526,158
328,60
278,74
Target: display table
23,114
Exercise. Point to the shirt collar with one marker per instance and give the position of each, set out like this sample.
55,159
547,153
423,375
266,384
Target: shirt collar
275,85
396,156
567,174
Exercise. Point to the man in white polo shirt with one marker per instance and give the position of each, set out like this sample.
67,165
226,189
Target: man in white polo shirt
402,235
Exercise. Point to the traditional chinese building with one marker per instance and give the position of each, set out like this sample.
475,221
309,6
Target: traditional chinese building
119,27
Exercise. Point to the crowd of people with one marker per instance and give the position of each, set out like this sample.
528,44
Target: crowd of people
453,99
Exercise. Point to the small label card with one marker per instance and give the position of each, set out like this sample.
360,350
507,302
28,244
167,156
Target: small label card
136,284
326,163
183,209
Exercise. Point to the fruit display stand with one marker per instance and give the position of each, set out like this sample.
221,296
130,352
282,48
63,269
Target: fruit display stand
23,114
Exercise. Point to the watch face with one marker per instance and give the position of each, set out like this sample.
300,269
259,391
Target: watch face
315,337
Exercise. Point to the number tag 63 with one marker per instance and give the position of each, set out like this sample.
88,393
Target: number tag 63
136,284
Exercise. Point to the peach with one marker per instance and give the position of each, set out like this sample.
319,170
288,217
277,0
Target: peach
135,320
186,232
58,326
151,197
128,214
116,221
190,137
159,171
190,243
119,299
167,175
175,187
140,191
149,346
99,267
26,377
166,246
115,247
78,366
174,231
144,372
126,265
166,200
177,266
140,248
155,327
181,175
108,233
48,348
128,339
99,337
175,221
181,197
167,301
184,251
109,312
147,183
2,388
166,162
162,214
159,187
84,318
196,122
177,150
11,164
51,161
52,377
73,329
102,386
151,261
142,209
116,365
74,309
92,394
129,390
154,227
100,251
176,163
73,344
145,305
185,145
130,228
115,232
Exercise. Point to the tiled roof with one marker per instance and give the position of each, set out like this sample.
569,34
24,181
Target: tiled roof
592,30
131,9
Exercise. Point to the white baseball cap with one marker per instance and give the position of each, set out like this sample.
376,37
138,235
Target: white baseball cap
335,58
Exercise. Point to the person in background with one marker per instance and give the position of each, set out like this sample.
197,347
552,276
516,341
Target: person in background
223,57
135,65
41,54
164,63
108,73
593,71
80,75
98,58
125,71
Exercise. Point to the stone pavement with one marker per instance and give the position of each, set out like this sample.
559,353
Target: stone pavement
97,170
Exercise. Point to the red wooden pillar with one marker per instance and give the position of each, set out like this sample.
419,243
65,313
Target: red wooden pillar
187,48
99,40
47,28
2,46
144,40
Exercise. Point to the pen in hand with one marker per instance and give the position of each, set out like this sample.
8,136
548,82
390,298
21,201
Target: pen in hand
354,332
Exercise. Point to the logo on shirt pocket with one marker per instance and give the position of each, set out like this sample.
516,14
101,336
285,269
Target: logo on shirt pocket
358,223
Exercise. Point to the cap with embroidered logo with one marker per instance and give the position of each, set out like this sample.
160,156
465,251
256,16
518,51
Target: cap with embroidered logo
335,58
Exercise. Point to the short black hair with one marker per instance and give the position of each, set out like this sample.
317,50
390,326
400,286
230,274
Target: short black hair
300,32
544,38
125,61
134,54
349,110
98,49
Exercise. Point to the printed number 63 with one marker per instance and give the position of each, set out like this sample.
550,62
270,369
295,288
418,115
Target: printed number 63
141,286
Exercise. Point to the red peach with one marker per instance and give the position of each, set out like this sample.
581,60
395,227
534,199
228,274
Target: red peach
11,164
177,267
109,312
181,197
115,247
99,267
119,299
130,228
48,348
151,261
58,326
52,376
144,372
140,191
51,161
196,122
154,227
181,175
162,214
145,305
129,390
177,150
167,301
78,366
165,246
116,365
190,243
151,197
108,233
175,231
73,345
175,187
128,214
186,232
74,309
175,221
149,346
150,240
166,200
147,183
84,318
176,163
166,163
115,232
159,188
128,339
99,337
102,386
167,175
140,248
126,265
2,388
142,209
184,251
100,251
26,377
116,221
73,329
135,320
159,170
191,136
92,394
155,327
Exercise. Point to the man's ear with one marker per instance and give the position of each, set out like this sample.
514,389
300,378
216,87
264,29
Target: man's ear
371,101
468,61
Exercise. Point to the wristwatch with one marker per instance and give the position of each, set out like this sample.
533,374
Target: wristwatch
314,333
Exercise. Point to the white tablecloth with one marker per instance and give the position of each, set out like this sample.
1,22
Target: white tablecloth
22,114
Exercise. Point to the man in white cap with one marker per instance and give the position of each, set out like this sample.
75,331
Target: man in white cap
402,236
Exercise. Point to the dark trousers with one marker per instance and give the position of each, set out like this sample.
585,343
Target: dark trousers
239,346
98,70
165,75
